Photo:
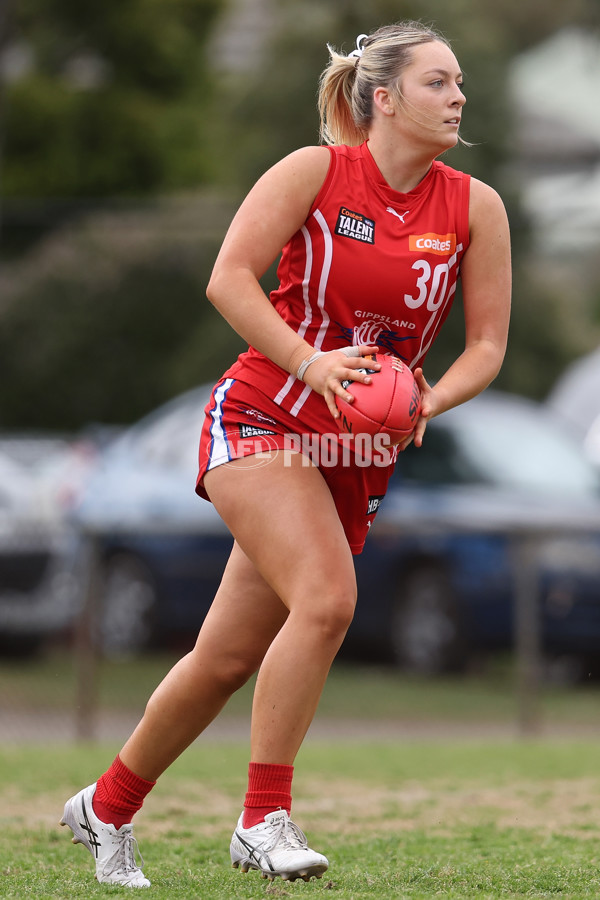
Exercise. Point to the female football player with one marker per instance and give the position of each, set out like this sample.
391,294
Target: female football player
373,230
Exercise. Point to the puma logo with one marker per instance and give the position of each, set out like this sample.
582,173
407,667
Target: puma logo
399,216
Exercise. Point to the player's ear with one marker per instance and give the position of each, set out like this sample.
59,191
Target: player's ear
383,101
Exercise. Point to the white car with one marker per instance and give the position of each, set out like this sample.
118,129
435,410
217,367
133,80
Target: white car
37,586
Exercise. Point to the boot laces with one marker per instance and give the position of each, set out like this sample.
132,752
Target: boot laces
124,857
286,834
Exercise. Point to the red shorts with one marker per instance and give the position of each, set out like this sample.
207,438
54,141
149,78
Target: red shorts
242,421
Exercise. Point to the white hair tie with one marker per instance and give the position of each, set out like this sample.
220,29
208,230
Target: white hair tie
359,50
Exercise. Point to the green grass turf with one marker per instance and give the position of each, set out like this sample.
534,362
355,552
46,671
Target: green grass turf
48,684
439,819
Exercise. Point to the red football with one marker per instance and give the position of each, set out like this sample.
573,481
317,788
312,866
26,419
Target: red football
390,405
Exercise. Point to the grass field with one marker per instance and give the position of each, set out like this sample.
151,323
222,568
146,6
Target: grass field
450,819
397,818
367,692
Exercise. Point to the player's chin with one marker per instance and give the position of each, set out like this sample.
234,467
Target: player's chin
449,139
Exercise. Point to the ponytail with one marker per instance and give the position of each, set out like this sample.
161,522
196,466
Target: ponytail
335,101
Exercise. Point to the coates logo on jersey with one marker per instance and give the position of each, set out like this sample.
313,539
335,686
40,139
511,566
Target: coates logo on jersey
355,225
440,244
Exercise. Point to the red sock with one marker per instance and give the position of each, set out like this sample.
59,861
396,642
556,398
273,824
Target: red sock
269,788
119,794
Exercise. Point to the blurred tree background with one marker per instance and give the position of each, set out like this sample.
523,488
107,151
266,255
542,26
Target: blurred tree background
130,131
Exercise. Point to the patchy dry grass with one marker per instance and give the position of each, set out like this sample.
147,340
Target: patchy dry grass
455,820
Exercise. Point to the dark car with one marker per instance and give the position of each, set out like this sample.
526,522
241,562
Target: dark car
443,557
437,576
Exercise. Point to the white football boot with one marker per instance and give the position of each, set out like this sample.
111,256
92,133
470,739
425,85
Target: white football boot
275,846
113,849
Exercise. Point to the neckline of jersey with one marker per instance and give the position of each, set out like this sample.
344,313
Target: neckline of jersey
384,188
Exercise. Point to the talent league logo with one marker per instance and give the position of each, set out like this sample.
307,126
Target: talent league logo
249,431
355,225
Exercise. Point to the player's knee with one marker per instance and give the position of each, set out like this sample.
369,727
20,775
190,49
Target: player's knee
234,672
332,612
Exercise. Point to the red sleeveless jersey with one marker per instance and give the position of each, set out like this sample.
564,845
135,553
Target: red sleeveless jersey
369,266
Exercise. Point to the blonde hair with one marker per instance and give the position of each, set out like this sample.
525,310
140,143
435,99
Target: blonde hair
346,86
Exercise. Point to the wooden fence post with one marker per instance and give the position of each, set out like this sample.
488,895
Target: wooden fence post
527,637
86,645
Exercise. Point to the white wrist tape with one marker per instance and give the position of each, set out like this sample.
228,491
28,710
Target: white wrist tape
306,363
347,351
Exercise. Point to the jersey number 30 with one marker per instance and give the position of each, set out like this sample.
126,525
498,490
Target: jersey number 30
432,285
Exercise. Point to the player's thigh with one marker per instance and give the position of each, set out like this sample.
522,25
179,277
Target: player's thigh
244,618
284,518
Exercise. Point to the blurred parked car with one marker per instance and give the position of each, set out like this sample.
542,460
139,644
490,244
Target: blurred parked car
442,558
162,549
575,400
437,576
37,584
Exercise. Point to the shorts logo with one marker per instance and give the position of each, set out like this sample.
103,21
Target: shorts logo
248,431
355,225
255,414
374,503
440,244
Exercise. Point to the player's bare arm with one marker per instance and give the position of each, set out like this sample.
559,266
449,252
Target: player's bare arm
274,210
486,287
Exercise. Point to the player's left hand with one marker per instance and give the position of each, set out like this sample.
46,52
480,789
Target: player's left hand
328,373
